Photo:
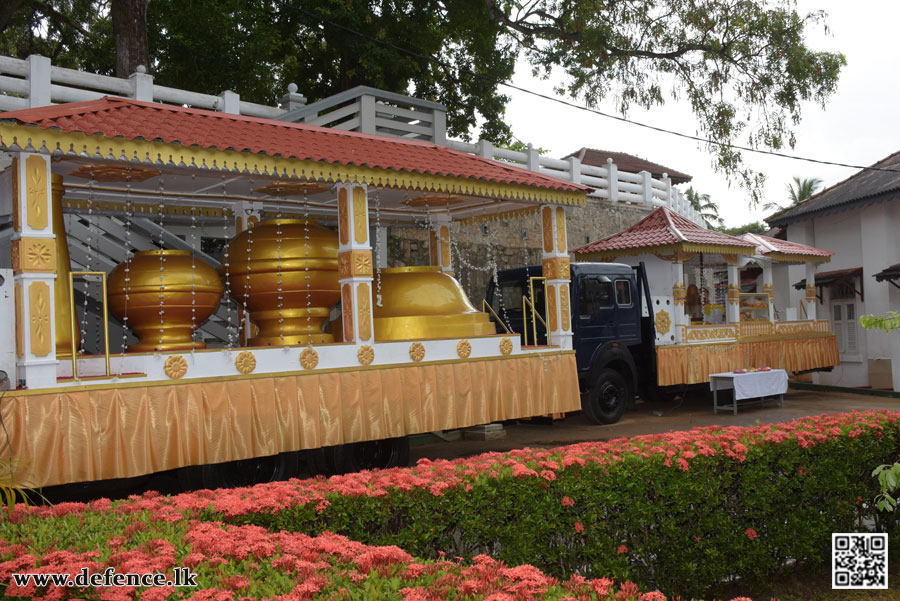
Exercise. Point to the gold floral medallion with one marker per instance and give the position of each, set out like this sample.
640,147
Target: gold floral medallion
506,346
416,351
245,362
175,367
365,354
309,358
663,322
464,349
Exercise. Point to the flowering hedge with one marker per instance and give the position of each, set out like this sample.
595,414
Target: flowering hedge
249,562
680,512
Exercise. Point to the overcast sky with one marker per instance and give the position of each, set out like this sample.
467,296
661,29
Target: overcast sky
859,125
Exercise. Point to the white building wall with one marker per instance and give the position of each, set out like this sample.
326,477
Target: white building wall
867,237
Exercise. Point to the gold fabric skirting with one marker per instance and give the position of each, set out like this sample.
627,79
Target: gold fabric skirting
692,364
133,430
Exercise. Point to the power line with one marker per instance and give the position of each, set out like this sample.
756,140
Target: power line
578,106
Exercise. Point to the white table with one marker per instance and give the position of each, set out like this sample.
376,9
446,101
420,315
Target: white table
749,385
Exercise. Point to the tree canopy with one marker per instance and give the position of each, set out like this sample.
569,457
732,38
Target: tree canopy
743,65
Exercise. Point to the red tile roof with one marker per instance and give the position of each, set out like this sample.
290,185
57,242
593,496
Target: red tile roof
134,120
766,245
628,162
662,227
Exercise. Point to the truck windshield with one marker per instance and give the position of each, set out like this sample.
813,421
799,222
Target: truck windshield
511,294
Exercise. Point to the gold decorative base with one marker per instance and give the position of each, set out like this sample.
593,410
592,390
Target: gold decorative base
172,338
416,327
291,340
290,327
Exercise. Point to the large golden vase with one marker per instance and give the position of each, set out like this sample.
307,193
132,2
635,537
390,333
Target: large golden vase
423,302
62,298
286,275
169,296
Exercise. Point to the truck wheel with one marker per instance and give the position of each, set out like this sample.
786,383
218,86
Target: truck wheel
375,454
234,474
607,398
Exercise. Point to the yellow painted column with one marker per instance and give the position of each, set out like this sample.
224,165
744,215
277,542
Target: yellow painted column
811,292
555,267
680,318
34,262
439,243
355,268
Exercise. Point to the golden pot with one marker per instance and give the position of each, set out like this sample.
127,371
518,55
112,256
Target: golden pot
304,308
186,291
423,302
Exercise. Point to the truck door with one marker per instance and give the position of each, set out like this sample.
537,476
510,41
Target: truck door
628,312
596,315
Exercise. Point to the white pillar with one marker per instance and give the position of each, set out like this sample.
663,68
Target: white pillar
811,290
732,311
439,243
769,287
678,296
355,263
555,266
33,250
38,78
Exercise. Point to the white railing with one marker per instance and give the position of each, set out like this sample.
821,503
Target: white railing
35,82
373,111
608,182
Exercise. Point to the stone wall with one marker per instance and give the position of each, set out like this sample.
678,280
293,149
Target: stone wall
512,242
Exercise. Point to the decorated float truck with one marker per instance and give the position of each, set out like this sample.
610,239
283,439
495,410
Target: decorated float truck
683,303
196,291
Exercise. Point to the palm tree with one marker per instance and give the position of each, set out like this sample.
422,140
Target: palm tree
798,192
709,211
805,188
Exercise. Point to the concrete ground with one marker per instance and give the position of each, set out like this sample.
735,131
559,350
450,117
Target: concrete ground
693,411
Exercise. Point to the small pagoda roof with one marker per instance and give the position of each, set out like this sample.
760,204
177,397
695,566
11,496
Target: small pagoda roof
664,231
787,252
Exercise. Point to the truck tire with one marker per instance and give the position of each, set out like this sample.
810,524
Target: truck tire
375,454
234,474
607,398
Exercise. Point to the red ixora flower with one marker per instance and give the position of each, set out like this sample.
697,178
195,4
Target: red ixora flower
622,550
751,533
567,502
579,527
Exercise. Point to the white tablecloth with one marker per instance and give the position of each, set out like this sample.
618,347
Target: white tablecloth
751,384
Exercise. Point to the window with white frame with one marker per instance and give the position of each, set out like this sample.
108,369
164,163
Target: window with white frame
844,326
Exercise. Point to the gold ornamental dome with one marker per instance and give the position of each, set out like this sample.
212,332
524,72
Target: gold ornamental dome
169,295
283,253
424,302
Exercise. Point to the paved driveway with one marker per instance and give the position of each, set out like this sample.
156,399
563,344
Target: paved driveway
695,410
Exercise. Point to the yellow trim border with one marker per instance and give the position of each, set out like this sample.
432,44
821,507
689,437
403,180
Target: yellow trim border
18,138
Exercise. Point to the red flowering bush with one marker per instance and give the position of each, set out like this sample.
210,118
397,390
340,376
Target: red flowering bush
680,512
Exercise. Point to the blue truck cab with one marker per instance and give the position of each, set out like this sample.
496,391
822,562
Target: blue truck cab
613,335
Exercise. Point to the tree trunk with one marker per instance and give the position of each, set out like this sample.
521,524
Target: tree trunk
129,20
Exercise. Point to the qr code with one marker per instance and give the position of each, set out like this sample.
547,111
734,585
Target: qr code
859,560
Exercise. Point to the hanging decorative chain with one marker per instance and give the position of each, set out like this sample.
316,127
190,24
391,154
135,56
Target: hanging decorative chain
227,268
160,209
128,255
246,321
88,241
194,238
378,234
279,274
309,337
